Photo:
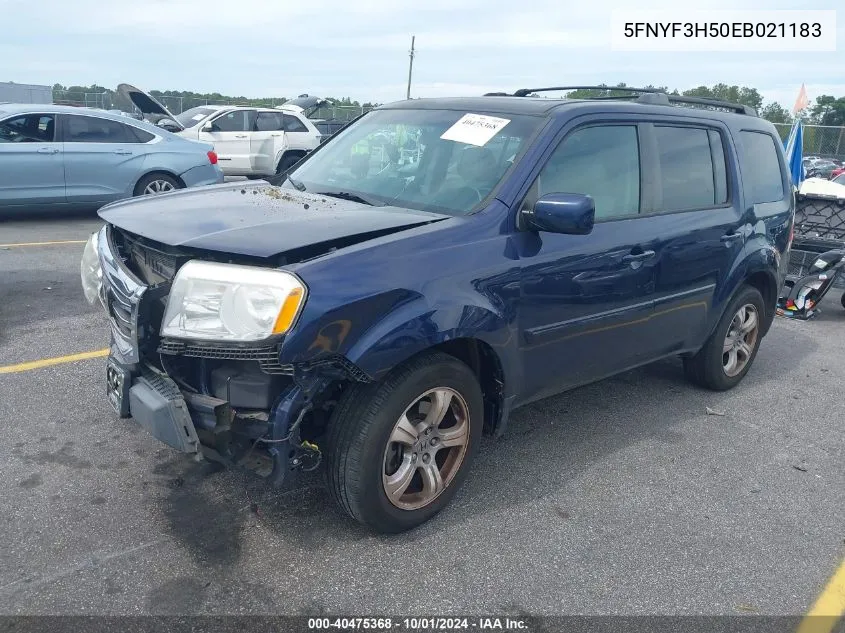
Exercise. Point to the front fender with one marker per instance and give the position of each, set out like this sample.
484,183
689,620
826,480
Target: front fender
417,326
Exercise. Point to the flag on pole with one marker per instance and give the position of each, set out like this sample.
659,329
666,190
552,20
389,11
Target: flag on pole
795,152
802,101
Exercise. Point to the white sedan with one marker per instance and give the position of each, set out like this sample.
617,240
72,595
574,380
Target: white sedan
249,141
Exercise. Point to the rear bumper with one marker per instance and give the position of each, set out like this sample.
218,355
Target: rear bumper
202,175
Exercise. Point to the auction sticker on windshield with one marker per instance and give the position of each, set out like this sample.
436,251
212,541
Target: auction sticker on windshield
474,129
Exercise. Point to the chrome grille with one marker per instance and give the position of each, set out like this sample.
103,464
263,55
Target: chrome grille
122,292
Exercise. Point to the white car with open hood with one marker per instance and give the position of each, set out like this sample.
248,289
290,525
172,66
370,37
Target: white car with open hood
249,141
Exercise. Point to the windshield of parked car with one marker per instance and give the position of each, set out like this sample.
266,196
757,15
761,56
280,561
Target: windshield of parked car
445,161
191,118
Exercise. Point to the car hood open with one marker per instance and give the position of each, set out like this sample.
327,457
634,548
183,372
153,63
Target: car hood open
257,219
306,104
145,102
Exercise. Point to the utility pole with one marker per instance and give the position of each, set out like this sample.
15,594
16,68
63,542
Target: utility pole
410,67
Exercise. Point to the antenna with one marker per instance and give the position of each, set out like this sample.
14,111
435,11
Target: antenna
410,66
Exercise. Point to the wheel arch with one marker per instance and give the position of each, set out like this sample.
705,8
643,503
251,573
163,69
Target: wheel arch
298,153
153,172
766,284
414,330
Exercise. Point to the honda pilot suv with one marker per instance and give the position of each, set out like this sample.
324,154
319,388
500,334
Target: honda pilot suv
431,268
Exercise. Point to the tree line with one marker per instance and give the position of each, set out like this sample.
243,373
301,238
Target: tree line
827,109
187,98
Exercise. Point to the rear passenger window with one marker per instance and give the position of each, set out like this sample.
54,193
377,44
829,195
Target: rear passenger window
692,168
88,129
762,167
600,161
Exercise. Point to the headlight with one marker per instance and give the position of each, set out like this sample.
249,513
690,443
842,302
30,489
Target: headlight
228,302
90,271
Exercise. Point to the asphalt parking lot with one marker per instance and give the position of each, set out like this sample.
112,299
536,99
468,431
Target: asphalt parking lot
624,497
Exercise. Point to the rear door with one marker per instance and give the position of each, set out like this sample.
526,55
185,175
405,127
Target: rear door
697,224
266,140
230,134
103,158
298,136
31,161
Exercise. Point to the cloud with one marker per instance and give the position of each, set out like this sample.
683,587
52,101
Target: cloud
360,49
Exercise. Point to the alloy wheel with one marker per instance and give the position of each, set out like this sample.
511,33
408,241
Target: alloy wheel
158,186
426,448
740,340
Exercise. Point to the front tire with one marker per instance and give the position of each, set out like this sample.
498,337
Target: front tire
730,351
398,450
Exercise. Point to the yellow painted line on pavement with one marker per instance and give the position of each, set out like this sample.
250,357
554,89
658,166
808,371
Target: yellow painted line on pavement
41,243
829,607
47,362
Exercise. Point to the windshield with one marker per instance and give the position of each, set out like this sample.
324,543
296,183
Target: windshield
401,158
190,118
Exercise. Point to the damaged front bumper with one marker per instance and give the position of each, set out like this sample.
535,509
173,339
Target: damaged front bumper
235,405
203,426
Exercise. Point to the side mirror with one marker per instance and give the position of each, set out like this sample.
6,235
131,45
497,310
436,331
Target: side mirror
571,213
208,127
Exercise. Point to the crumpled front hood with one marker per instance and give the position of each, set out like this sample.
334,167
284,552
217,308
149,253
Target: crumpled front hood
255,218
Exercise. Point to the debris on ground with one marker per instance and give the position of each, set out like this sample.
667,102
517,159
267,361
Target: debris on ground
714,412
801,468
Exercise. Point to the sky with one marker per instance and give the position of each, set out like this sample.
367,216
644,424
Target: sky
359,48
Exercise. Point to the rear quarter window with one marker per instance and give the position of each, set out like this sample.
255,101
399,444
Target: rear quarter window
761,170
142,135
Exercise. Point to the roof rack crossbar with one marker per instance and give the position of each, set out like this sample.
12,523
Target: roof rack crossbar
646,95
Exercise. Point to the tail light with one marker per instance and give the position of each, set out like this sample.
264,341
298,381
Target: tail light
212,158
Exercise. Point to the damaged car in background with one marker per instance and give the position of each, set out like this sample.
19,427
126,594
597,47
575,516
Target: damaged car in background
375,317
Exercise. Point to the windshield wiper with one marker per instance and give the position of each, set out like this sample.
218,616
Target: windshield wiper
352,197
299,186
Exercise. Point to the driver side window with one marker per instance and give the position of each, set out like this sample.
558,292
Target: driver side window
601,161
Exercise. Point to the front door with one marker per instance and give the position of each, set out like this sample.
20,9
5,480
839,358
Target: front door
31,161
230,134
586,300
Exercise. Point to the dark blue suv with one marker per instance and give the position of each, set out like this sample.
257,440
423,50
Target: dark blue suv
432,267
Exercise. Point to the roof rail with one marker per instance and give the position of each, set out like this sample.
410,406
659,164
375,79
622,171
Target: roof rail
524,92
643,95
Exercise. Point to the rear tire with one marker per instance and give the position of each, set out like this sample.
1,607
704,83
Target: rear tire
385,443
730,351
842,300
156,183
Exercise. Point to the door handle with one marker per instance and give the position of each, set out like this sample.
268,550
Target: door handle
633,258
275,135
240,135
48,150
727,238
123,152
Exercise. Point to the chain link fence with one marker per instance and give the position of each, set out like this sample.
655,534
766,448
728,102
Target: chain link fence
827,141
